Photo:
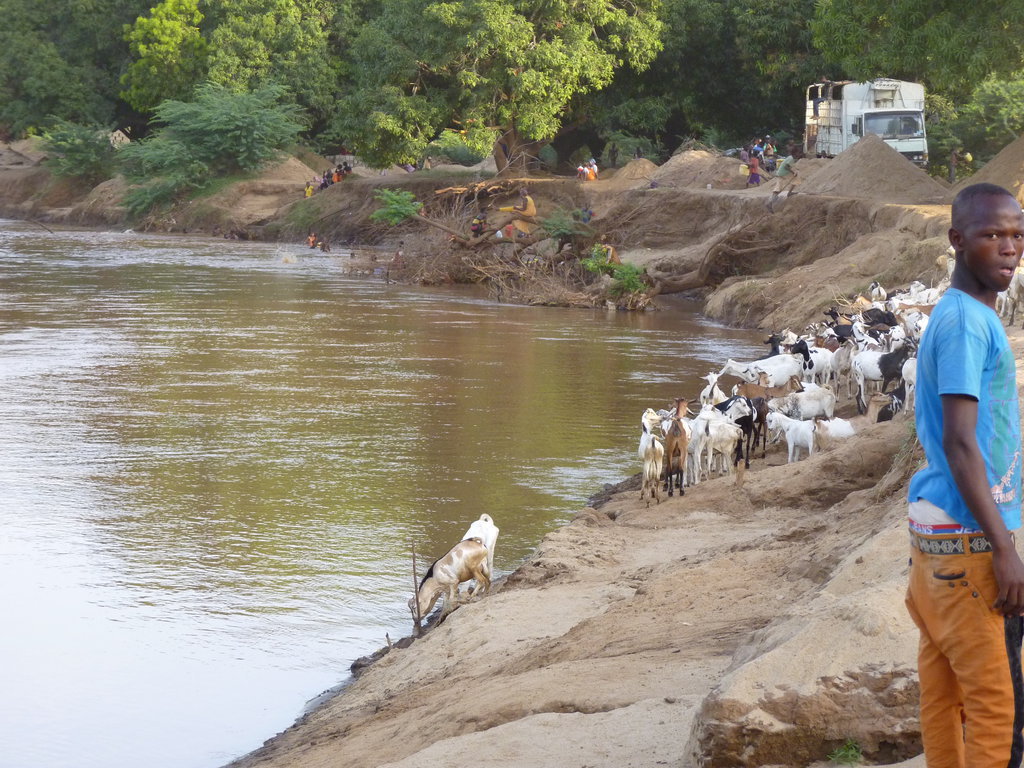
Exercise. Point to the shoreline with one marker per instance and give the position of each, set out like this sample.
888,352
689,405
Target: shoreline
688,632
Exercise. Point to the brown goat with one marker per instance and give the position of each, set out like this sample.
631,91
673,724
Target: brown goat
748,389
676,448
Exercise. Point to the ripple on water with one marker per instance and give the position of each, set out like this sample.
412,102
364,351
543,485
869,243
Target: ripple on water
215,463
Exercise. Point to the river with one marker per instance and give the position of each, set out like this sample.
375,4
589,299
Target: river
215,457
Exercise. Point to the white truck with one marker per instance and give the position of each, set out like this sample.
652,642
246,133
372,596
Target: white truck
840,113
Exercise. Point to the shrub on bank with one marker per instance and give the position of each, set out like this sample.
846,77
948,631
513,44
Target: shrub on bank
79,151
220,132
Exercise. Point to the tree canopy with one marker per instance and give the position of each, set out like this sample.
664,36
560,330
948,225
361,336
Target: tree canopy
399,79
501,67
945,44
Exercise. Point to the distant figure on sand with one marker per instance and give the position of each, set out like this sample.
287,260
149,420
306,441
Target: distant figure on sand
754,176
785,178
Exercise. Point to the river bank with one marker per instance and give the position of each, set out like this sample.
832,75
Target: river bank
744,624
759,624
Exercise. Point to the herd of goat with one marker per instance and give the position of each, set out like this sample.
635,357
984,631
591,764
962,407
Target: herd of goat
867,354
790,392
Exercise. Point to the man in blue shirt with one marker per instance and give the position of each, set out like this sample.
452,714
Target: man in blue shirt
966,591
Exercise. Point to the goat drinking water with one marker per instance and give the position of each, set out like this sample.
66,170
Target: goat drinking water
485,530
466,560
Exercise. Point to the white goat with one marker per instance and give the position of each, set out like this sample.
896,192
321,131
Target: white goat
652,454
809,404
712,393
778,369
828,431
466,560
720,437
842,360
799,434
485,530
909,372
1014,295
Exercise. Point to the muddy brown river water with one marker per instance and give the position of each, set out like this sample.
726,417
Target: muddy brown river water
214,457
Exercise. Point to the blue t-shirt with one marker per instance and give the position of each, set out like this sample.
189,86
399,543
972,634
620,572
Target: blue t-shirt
965,351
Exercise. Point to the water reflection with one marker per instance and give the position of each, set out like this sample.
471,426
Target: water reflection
214,459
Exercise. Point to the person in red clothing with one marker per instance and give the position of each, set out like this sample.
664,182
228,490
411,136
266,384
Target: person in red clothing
755,171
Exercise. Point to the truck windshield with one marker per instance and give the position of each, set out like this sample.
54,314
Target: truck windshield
895,125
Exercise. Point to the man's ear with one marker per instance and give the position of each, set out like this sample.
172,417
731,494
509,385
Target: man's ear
956,239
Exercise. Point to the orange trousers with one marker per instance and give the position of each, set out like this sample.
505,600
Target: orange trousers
969,663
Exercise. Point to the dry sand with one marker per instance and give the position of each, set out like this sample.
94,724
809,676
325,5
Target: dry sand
1005,169
697,168
735,626
873,170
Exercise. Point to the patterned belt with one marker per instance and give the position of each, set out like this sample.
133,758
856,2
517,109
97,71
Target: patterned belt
951,544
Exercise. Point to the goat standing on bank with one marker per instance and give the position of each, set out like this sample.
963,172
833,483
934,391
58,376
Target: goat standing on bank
677,438
652,454
799,434
466,560
485,530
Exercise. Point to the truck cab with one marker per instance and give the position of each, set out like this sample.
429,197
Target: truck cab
838,114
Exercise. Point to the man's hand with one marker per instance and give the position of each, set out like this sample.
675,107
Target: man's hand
1009,572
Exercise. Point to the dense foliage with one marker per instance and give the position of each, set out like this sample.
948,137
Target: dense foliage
221,132
463,78
79,151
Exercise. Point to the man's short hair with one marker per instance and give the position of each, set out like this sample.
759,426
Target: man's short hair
966,199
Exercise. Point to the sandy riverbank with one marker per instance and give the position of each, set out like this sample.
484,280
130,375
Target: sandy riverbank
746,625
750,625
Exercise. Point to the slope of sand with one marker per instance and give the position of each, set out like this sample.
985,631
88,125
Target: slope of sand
1006,169
873,170
625,639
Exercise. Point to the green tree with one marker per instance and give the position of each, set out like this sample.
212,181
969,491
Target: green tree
504,69
79,151
728,69
170,54
257,42
221,132
62,58
948,45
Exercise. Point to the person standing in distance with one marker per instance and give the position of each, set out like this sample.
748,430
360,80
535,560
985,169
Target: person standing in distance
966,591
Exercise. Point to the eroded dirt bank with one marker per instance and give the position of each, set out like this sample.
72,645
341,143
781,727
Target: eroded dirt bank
746,625
759,625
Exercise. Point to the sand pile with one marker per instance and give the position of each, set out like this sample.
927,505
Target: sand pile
289,171
638,168
1005,169
635,174
873,170
697,168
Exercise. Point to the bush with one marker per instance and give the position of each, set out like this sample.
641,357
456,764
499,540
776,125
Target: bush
79,151
398,205
628,277
453,146
221,132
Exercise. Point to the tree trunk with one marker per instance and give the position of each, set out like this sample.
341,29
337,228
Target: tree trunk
515,155
685,282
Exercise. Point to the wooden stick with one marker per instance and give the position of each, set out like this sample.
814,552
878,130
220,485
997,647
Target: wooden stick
415,593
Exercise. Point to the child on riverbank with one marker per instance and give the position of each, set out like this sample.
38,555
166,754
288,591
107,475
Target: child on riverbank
754,166
966,592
